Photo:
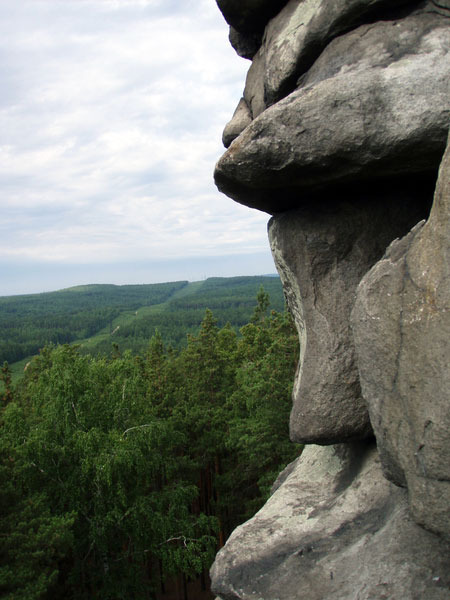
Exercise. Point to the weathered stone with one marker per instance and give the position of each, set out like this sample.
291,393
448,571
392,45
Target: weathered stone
245,45
294,39
375,104
441,6
239,121
322,252
254,86
249,16
401,323
334,530
350,101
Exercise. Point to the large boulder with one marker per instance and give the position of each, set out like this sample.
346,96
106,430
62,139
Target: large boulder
335,529
322,252
249,16
375,104
294,39
401,323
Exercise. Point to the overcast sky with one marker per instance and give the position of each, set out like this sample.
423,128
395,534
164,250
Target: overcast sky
111,115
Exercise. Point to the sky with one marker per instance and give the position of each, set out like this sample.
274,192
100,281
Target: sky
111,117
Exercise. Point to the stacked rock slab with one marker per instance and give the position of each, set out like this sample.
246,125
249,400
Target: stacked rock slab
339,135
374,105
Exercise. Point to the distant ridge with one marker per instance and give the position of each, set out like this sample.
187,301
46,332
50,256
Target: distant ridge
89,287
88,314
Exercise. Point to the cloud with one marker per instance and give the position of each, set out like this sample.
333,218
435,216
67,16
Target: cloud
111,118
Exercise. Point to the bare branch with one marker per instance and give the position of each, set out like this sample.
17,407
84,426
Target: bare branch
136,427
177,538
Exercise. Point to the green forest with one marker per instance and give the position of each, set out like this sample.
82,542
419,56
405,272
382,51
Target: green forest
29,322
129,315
123,472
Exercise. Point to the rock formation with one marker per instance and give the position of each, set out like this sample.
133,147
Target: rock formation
339,136
336,528
402,332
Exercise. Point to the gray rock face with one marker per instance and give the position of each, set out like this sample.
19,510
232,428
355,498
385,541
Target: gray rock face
376,104
401,322
249,16
340,134
321,253
295,38
334,530
239,121
245,45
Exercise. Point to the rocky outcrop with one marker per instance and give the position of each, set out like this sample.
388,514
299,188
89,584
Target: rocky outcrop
336,529
375,104
339,135
247,19
239,121
245,45
402,331
322,252
295,38
249,16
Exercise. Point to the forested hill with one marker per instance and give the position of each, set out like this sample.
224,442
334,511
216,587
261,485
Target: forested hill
128,315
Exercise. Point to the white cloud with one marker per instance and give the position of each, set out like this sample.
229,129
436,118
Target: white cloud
111,121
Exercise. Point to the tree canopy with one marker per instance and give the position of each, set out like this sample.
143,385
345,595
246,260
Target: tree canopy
119,472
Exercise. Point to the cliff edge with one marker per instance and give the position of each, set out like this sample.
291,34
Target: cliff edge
341,136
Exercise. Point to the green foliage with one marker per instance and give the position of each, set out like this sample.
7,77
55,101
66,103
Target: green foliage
6,379
33,540
29,322
118,472
231,299
98,442
259,405
128,315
